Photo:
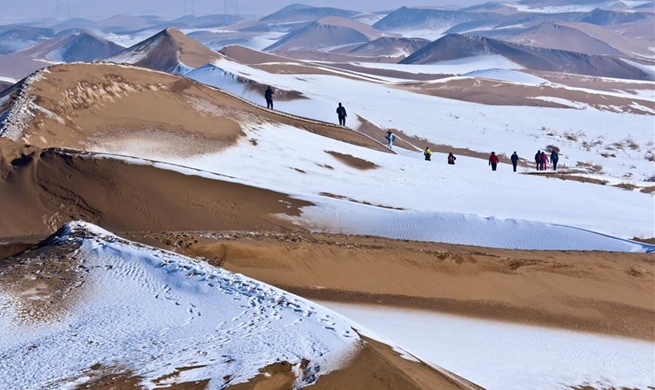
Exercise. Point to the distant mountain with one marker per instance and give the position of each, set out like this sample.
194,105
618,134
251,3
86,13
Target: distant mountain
650,6
76,24
554,36
456,47
494,7
306,13
603,17
17,37
168,51
326,34
120,23
391,47
437,20
81,46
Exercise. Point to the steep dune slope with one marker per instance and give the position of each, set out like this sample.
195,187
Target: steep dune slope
45,189
145,316
81,105
326,34
454,47
169,51
83,46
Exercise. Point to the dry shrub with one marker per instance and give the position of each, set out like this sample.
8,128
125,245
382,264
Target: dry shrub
632,144
552,148
626,186
571,137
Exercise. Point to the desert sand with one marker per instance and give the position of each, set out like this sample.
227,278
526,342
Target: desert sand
599,292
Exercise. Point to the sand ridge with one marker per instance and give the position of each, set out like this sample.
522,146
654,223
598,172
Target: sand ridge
599,292
82,105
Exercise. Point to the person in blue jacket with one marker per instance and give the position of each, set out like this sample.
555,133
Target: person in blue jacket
554,158
390,138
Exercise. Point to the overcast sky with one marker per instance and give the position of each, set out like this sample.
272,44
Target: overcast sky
14,10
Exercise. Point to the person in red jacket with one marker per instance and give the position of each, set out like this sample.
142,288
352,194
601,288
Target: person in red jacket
493,161
544,161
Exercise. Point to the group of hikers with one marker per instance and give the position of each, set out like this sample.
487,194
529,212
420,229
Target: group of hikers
541,159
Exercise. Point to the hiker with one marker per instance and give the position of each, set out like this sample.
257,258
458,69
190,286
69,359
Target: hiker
493,161
268,94
451,159
544,161
537,159
390,138
554,157
515,160
428,154
341,112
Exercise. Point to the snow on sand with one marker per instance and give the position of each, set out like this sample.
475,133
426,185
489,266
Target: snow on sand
153,311
503,356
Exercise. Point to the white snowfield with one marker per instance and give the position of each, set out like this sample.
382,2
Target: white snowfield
418,219
151,311
505,356
583,134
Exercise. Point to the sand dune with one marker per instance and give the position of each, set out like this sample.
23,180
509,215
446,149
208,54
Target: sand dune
81,274
608,293
326,34
454,47
45,189
168,51
80,105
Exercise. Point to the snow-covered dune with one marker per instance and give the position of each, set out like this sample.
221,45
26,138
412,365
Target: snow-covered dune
154,313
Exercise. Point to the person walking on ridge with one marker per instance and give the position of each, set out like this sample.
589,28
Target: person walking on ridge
427,153
268,95
544,161
537,159
493,161
554,158
390,138
451,159
341,113
515,160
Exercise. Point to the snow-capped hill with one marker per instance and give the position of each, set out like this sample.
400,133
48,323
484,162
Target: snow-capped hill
81,46
604,17
169,51
455,47
391,47
164,317
435,20
326,34
306,13
555,36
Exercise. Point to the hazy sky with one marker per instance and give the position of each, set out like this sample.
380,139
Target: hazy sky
13,10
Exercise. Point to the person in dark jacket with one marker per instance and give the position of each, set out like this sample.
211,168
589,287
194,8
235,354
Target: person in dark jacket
493,161
427,153
554,158
537,159
341,113
451,159
268,95
515,160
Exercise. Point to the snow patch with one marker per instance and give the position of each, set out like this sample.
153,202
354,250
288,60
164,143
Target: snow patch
153,311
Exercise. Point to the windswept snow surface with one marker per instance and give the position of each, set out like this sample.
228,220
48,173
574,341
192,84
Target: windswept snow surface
419,220
151,311
583,134
457,228
503,356
508,75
